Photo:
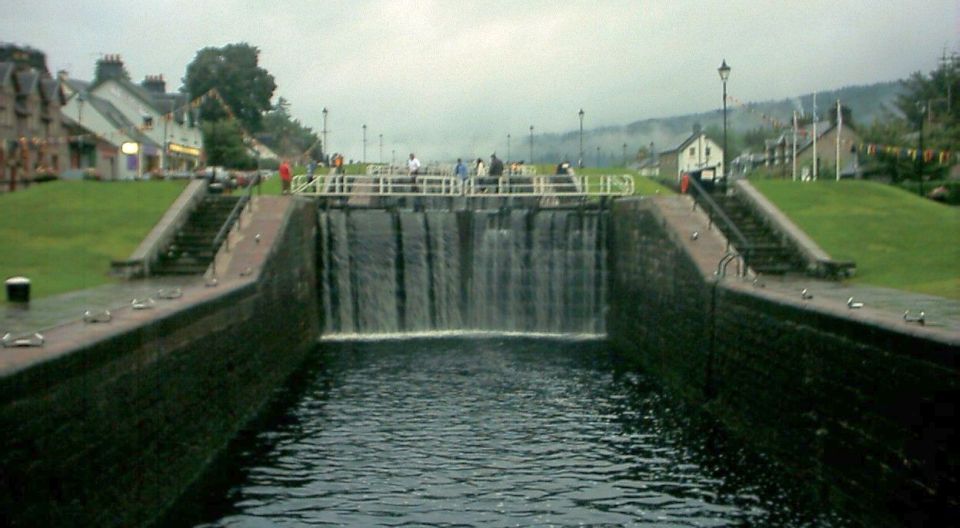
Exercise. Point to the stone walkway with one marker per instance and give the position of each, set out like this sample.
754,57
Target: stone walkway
46,313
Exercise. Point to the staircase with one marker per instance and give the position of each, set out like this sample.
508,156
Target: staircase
192,250
768,253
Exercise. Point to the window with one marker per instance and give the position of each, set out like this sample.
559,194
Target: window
707,151
147,122
693,151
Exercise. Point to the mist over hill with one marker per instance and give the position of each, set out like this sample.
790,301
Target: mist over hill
867,103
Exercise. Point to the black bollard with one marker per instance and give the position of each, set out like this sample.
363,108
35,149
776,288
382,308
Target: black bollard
18,290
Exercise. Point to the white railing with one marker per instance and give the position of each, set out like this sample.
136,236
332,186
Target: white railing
449,186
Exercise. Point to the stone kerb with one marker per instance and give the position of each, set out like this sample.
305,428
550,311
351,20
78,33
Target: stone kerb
142,258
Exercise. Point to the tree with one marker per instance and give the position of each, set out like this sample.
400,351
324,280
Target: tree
244,86
286,135
223,142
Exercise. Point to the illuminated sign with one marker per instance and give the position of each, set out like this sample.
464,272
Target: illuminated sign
183,149
130,147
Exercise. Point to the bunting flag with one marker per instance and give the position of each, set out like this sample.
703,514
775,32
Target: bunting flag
940,157
126,132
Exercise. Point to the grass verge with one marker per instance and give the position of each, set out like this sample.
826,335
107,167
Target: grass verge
897,239
62,235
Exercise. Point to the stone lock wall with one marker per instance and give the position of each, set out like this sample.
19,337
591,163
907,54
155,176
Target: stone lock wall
112,433
863,411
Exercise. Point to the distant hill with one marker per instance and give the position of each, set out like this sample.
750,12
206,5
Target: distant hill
867,103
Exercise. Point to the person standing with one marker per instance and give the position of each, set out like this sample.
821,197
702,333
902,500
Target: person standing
285,176
461,171
496,169
481,174
413,166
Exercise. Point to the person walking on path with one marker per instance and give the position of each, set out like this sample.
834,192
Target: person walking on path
285,176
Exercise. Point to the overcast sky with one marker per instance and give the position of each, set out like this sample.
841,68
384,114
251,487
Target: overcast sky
451,77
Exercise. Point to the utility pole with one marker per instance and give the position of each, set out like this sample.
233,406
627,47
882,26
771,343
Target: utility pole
364,143
624,155
381,149
508,147
919,160
815,164
794,145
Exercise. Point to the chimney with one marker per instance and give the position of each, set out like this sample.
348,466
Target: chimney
154,84
110,67
696,128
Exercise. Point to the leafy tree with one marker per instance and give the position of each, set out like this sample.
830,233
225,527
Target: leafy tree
223,142
234,71
286,135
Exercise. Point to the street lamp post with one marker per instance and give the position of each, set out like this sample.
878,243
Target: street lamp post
624,155
531,144
598,156
381,149
508,147
724,72
326,146
364,144
580,160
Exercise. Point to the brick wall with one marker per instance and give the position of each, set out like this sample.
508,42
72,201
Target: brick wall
866,413
112,433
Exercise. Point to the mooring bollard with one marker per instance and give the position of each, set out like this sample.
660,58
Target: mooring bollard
18,290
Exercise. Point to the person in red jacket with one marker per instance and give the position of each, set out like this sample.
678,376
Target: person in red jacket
285,176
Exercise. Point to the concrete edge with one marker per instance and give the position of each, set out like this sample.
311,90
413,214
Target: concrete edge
818,261
142,258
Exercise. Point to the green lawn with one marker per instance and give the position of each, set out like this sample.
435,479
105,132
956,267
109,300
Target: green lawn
897,239
62,235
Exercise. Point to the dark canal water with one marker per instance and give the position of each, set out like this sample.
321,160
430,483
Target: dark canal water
487,432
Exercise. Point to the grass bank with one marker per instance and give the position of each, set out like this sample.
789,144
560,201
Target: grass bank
62,235
897,239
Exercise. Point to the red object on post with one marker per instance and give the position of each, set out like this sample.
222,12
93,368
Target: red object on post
684,183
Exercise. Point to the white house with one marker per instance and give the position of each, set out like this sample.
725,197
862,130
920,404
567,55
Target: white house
694,153
152,129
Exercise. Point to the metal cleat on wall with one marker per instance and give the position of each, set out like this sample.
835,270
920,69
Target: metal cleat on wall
173,293
854,305
97,317
919,319
143,304
10,341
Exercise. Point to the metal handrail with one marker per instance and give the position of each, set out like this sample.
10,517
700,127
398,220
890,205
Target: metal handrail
433,185
234,215
714,212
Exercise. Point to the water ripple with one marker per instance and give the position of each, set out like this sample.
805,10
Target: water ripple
494,432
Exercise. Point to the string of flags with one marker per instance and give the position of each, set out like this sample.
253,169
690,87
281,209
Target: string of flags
211,94
942,157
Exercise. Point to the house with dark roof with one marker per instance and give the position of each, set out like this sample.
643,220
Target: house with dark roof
695,152
150,130
32,136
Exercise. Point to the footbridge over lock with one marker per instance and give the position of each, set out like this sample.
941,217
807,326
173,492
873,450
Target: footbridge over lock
548,188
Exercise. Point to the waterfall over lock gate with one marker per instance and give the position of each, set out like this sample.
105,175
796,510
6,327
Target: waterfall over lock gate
521,270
